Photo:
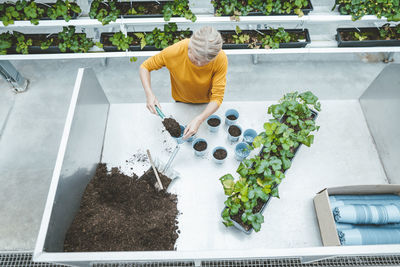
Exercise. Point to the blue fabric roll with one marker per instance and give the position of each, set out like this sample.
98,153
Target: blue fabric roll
365,197
371,236
367,214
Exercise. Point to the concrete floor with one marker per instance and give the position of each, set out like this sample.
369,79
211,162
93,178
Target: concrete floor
30,137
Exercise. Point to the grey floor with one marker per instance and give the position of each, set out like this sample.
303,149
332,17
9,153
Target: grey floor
31,123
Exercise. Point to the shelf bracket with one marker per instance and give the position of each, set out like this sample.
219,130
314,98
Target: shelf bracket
13,77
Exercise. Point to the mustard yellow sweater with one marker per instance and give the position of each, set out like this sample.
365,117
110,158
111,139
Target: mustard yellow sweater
190,83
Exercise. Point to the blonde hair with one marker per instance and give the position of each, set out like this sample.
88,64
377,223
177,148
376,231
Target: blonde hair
206,43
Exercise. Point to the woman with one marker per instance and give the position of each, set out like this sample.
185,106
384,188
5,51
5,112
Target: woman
197,69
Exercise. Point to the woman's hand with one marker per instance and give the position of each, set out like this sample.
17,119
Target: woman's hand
152,102
192,127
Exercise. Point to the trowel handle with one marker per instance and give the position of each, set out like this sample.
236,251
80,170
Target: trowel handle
171,158
160,113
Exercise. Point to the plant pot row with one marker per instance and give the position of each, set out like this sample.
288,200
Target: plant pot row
368,37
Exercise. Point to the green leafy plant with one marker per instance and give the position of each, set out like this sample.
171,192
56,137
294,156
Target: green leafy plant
63,9
6,41
359,8
240,38
179,8
389,33
162,39
266,7
76,42
104,11
22,43
29,10
121,41
292,124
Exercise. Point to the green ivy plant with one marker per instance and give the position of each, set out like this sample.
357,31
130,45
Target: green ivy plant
162,39
292,125
6,41
359,8
179,8
389,33
76,42
266,7
22,43
121,41
104,11
29,10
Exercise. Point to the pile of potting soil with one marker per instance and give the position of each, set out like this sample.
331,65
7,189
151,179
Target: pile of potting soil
122,213
172,127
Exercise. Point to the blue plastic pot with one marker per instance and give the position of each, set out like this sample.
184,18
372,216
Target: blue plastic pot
213,129
249,135
190,139
179,139
199,153
242,151
234,139
219,161
231,112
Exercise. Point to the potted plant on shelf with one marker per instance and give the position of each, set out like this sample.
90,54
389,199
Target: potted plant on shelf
147,41
261,8
32,11
367,37
110,10
389,9
271,38
292,124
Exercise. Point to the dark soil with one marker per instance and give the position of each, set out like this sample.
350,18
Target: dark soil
220,154
150,176
172,127
122,213
232,117
200,146
238,217
234,131
214,122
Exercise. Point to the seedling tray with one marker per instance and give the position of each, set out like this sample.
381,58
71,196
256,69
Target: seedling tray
281,45
365,43
236,224
305,10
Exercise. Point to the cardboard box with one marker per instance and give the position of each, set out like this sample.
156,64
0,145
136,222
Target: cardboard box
326,222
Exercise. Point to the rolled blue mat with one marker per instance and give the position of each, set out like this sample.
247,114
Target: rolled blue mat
365,197
341,226
334,202
367,214
377,236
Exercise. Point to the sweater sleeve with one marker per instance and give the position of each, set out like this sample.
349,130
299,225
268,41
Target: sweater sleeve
155,62
219,80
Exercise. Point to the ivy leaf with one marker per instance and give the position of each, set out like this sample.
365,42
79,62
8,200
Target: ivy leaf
228,184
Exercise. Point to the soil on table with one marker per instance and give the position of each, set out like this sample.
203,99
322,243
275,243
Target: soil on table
234,131
232,117
200,146
220,154
123,213
150,176
238,217
214,122
172,127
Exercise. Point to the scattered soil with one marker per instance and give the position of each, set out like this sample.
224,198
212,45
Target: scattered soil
220,154
122,213
200,146
172,127
232,117
238,217
234,131
150,176
214,122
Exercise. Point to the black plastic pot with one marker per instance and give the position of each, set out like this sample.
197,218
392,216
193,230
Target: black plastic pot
305,10
281,45
236,224
131,47
365,43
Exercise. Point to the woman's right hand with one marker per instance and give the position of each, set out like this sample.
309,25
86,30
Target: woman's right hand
152,102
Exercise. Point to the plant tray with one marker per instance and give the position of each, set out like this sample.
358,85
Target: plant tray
236,224
365,43
35,49
281,45
124,5
305,10
131,47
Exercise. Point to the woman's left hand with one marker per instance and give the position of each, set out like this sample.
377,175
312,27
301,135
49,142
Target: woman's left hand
192,127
